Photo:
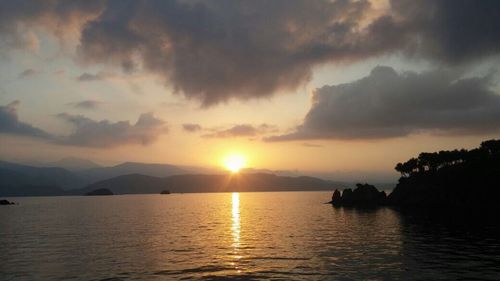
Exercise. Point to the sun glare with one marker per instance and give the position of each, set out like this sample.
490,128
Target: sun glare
234,162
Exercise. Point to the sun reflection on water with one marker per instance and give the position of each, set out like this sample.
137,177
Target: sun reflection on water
235,227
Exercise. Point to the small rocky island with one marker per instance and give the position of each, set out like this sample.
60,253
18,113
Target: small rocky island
100,191
6,202
165,192
364,195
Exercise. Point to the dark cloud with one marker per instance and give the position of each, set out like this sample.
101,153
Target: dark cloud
190,127
87,132
27,73
20,19
88,77
86,104
216,50
451,31
387,104
91,133
10,124
241,130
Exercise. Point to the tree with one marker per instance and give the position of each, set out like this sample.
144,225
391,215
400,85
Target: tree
491,146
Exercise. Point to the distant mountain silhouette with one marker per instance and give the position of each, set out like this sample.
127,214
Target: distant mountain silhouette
127,168
14,183
16,176
127,184
139,184
73,164
138,178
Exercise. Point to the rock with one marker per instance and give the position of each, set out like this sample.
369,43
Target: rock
165,192
100,191
6,202
364,195
336,198
347,197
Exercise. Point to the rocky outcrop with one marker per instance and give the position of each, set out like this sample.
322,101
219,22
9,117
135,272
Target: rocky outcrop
6,202
100,191
336,198
165,192
364,196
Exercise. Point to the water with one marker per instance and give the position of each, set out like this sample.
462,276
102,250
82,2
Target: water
233,236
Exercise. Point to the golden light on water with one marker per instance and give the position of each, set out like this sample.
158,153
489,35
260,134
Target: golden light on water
234,162
235,227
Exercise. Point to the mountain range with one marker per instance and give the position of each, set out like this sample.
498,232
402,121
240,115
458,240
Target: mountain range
136,183
78,176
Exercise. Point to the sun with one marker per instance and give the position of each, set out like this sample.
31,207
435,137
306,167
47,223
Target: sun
234,162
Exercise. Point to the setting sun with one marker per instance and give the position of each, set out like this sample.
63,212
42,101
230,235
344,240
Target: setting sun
234,162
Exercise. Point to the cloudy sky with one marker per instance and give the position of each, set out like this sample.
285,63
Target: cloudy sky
338,88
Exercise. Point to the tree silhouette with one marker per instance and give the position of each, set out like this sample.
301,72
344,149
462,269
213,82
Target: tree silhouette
431,162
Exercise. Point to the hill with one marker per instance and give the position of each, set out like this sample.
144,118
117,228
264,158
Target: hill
139,184
73,164
14,183
15,175
127,168
467,180
127,184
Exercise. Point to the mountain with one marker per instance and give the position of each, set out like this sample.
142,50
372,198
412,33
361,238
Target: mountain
127,184
244,182
73,164
17,184
14,175
127,168
138,184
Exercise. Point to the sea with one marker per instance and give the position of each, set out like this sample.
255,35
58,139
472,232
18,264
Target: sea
235,236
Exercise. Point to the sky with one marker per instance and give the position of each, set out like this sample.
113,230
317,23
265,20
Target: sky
341,89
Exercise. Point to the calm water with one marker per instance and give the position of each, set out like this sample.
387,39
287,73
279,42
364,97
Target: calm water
231,236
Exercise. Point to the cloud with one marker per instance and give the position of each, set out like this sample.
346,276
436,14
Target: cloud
450,31
241,130
87,132
91,133
388,104
218,50
190,127
88,77
20,20
86,104
10,124
27,73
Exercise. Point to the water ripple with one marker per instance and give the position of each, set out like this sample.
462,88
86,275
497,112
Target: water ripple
225,236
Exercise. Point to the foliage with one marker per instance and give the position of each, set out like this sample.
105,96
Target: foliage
435,161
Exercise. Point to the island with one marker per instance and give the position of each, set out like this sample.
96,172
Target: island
467,180
364,195
6,202
99,191
448,181
165,192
